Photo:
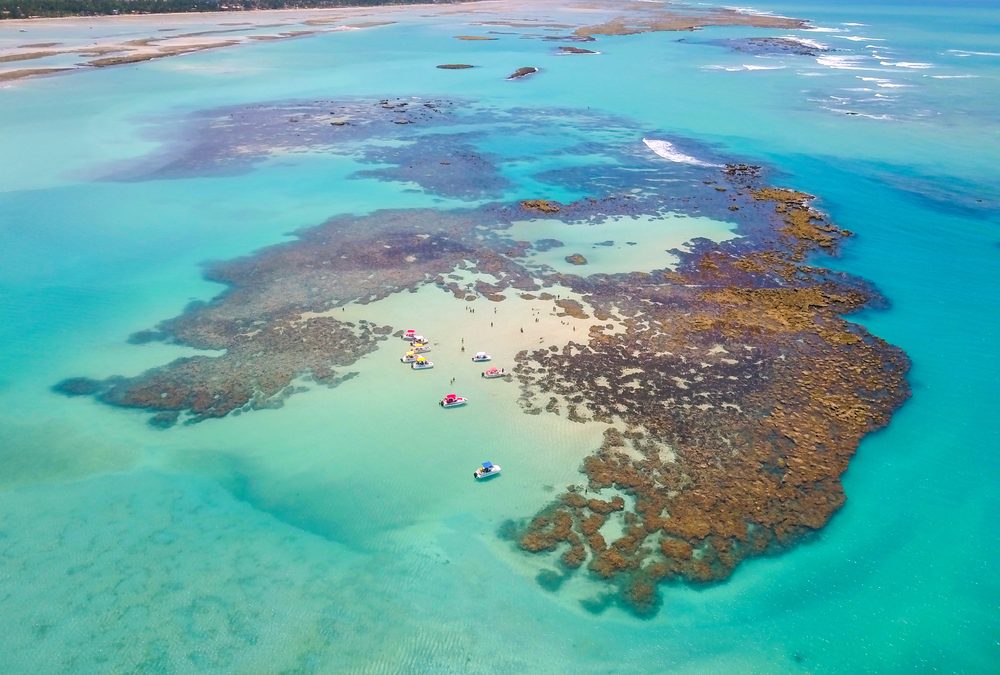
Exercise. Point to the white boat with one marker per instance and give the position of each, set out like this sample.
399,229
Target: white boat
481,357
422,364
420,338
486,470
421,347
453,401
408,357
493,373
409,335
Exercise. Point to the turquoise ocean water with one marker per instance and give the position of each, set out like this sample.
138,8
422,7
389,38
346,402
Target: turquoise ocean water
341,533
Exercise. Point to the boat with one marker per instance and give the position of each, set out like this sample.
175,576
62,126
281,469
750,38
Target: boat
409,334
422,363
486,470
408,357
453,401
481,357
421,347
493,373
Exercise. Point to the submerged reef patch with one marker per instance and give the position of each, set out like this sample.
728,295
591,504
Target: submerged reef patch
735,390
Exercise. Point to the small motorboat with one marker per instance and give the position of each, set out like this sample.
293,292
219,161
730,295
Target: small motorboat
422,363
453,401
408,357
409,334
481,357
486,470
493,373
421,347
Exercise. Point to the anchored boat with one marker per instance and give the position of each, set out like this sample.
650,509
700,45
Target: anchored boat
453,401
408,357
493,373
486,470
481,357
422,363
421,347
409,334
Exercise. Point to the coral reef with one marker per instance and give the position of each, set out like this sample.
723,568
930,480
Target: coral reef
738,395
735,390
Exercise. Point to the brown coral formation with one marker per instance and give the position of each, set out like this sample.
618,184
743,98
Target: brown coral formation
684,19
576,259
455,66
277,322
540,205
747,404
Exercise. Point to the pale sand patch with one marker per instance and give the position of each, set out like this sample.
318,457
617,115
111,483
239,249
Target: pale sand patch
161,42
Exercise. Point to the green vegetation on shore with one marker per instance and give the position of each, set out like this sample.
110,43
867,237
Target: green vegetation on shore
24,9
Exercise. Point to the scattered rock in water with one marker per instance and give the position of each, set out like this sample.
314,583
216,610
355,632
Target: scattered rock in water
609,242
742,170
167,419
474,37
541,205
78,386
522,72
772,46
455,66
548,244
576,259
576,50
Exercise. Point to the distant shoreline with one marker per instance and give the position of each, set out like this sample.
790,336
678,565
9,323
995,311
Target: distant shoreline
47,49
34,10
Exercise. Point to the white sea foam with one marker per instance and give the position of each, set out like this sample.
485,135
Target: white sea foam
853,23
952,77
741,68
839,62
855,113
749,11
964,53
859,38
824,29
805,42
908,64
668,151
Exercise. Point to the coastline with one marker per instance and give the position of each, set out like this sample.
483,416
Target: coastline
220,30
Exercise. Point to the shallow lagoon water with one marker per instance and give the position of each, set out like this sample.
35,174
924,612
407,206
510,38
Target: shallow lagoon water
342,532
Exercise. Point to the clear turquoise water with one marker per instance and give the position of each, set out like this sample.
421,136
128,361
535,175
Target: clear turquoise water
287,540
